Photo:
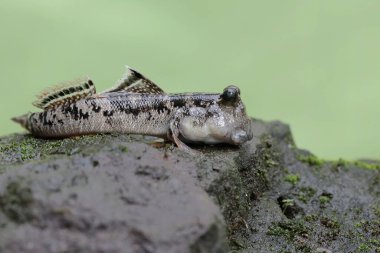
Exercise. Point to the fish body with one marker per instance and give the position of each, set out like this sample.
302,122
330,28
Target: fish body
138,106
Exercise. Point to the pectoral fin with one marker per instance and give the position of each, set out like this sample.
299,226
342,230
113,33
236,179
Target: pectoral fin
65,92
173,135
134,82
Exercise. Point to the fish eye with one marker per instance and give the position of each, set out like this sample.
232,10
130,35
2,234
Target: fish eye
230,93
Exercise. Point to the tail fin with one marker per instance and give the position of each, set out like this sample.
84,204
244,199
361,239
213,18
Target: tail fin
22,120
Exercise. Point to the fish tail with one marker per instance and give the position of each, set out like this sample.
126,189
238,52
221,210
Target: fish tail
23,120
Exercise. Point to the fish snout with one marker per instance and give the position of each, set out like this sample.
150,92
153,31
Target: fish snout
239,137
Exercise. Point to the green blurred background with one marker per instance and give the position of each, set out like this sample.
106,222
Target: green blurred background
312,64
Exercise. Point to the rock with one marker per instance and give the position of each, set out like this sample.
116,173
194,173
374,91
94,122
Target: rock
313,205
120,193
125,197
323,250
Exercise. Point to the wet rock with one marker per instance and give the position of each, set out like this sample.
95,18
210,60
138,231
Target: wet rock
313,205
122,193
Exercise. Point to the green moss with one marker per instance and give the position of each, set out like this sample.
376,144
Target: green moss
24,148
271,163
377,211
360,224
315,161
312,160
305,194
237,243
330,223
285,203
364,247
233,198
123,148
311,217
20,148
293,178
375,242
324,200
367,166
360,164
288,229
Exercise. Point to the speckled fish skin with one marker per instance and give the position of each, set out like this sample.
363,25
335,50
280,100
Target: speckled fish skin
148,114
114,112
136,105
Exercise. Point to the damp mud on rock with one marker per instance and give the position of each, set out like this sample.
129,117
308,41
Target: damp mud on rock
129,193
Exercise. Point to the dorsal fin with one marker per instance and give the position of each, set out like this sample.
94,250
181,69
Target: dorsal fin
65,92
134,82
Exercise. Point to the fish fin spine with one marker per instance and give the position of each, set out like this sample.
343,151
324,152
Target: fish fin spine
64,93
135,82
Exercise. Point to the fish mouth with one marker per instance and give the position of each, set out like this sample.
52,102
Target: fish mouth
240,136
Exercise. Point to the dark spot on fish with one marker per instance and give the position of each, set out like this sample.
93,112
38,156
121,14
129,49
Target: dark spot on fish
107,113
72,89
75,112
83,115
127,107
86,85
95,108
60,121
149,117
161,109
179,103
210,114
159,104
135,112
109,121
198,100
46,122
61,93
72,110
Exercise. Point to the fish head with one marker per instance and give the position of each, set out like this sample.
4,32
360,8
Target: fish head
230,122
222,121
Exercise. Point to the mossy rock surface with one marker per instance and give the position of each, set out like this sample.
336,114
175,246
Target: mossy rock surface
127,193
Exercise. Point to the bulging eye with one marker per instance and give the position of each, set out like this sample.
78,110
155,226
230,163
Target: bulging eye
230,93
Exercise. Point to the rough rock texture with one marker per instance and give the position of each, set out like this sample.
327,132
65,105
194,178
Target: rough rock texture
120,193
